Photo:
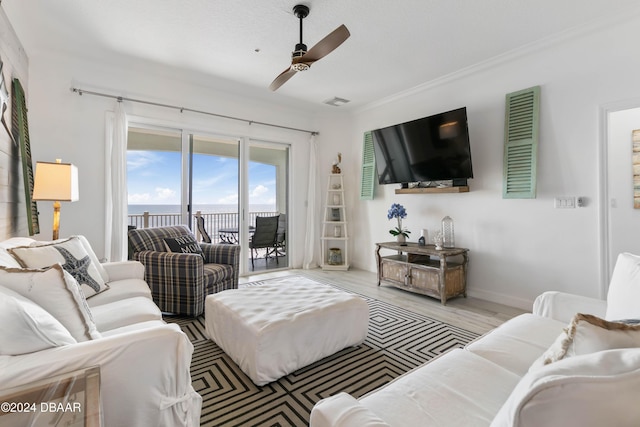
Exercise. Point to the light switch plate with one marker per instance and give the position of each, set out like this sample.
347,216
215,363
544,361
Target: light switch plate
564,202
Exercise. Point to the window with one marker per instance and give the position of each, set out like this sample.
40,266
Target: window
174,176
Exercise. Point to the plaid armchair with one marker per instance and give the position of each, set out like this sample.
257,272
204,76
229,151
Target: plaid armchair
180,282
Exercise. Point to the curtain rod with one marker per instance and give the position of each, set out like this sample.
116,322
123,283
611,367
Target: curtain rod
183,109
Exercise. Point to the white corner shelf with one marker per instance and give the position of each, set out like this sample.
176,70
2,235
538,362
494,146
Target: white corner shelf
335,235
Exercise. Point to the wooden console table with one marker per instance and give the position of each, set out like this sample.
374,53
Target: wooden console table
424,269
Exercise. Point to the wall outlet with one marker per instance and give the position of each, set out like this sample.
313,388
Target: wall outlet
564,202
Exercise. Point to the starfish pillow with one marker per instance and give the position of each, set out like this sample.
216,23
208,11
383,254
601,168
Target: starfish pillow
73,257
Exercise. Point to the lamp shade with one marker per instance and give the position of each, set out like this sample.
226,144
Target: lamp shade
56,181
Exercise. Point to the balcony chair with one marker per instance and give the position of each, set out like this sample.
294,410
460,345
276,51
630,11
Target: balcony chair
279,248
180,282
202,230
264,236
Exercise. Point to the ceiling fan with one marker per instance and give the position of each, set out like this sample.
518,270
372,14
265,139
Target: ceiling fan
301,59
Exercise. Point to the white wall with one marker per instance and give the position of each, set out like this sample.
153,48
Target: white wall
518,248
65,125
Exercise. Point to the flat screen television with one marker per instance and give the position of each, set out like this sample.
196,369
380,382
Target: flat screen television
434,148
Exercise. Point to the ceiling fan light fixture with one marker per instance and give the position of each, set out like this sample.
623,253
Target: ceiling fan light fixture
300,66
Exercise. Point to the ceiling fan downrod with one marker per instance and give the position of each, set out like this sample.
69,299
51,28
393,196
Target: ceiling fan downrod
301,11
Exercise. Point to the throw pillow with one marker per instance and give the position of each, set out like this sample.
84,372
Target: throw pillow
8,260
27,326
92,255
57,292
87,247
624,288
184,244
72,255
598,389
589,334
630,321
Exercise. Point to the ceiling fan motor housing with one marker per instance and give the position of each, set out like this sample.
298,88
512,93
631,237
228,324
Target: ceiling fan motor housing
300,50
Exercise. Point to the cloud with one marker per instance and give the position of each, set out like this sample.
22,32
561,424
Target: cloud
160,196
231,199
142,159
205,184
259,191
163,194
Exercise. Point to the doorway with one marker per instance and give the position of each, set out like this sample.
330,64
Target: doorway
621,221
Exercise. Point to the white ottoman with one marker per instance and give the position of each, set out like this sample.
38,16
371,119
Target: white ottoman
274,329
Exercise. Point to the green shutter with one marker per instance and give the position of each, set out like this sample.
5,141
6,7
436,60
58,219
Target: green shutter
20,129
521,144
368,179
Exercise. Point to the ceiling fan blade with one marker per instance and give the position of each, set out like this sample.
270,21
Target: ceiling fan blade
327,44
282,78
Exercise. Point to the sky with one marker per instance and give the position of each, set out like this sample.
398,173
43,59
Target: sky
153,178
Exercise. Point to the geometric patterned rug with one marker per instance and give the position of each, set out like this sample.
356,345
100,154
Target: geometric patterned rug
398,340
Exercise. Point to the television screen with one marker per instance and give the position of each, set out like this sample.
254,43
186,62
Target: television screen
434,148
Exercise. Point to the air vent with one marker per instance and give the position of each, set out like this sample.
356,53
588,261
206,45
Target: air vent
336,102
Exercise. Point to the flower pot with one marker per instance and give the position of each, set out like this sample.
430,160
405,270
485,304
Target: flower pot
402,239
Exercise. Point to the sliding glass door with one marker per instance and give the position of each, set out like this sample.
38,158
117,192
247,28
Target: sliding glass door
215,186
268,179
175,177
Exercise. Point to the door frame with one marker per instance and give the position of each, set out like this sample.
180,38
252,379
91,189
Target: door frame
604,214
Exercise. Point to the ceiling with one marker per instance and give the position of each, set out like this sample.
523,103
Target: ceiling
394,45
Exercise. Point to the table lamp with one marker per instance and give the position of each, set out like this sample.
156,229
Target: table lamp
56,182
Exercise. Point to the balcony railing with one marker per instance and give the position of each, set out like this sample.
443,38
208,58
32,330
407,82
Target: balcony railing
212,221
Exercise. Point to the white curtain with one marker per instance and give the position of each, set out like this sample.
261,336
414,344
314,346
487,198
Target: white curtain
115,239
311,240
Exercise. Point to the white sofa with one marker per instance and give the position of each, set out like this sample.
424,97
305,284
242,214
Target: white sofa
500,379
144,362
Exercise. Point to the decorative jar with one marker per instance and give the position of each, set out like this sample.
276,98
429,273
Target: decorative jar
335,256
447,232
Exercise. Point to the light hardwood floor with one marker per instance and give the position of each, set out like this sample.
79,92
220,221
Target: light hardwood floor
472,314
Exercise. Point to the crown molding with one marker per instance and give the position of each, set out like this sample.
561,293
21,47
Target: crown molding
509,56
